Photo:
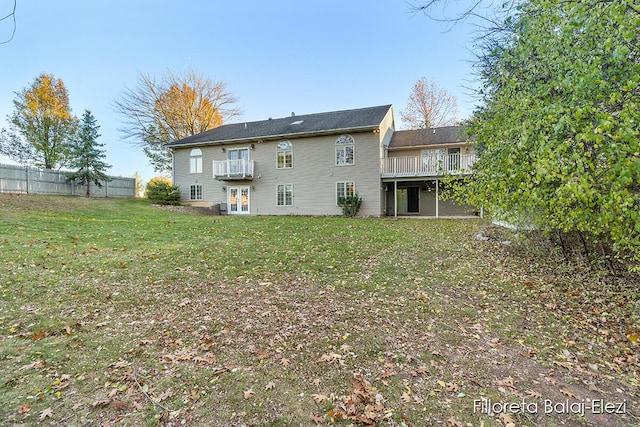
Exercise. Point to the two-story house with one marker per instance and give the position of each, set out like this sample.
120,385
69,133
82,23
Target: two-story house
302,164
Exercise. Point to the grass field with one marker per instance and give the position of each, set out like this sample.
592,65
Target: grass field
115,312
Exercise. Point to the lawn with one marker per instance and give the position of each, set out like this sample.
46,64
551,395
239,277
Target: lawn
115,312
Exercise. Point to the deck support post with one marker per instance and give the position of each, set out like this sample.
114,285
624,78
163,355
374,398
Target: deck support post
395,199
437,196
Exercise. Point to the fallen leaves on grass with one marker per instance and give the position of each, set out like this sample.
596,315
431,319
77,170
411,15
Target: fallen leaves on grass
449,323
319,398
38,363
41,334
452,387
363,405
47,413
507,382
318,419
164,395
330,357
507,420
533,394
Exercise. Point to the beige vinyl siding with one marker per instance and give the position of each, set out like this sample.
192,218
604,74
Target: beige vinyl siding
387,127
426,201
445,207
314,175
184,179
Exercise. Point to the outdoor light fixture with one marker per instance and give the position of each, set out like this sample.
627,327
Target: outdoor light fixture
253,146
223,149
224,188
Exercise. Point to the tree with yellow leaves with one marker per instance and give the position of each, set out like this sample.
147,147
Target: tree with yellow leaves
173,107
42,126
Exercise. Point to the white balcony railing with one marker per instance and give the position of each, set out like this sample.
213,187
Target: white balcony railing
233,169
408,166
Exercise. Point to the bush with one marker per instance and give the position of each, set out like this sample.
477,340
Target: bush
160,190
350,205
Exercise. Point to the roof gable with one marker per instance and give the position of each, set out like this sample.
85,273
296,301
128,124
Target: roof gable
429,136
289,127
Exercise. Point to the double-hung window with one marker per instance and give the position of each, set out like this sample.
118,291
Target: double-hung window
284,195
345,150
195,161
284,155
345,189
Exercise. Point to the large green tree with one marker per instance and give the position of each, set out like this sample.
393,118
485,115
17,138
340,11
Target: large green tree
560,124
87,155
41,126
172,107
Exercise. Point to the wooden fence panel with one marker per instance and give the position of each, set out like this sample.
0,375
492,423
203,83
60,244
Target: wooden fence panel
24,179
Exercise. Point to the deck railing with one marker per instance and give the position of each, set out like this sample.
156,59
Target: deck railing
407,166
233,169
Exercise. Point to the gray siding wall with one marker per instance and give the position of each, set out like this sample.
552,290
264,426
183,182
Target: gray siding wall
314,175
387,127
184,179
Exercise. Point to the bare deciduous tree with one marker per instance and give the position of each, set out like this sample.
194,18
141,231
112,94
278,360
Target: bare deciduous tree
12,16
159,111
429,106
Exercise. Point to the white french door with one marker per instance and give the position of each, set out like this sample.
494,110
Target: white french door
238,203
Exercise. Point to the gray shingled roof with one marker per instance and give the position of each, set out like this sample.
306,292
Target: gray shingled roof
292,126
429,136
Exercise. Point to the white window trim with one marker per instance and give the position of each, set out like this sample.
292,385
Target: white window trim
353,183
195,161
285,195
248,149
239,210
284,152
201,192
343,146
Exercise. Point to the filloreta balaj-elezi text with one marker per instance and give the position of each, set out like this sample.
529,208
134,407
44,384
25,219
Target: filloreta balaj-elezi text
582,407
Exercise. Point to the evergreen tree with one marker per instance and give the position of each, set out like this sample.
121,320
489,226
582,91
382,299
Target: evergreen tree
87,156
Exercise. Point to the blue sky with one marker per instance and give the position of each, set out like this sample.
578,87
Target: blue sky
277,57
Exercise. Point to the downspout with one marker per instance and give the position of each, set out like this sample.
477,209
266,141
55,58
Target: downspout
173,168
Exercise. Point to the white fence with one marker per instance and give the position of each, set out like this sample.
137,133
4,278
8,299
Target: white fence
24,179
